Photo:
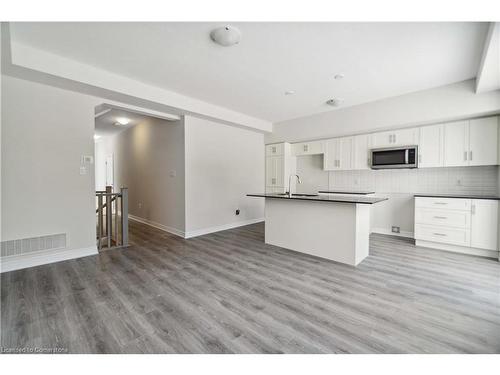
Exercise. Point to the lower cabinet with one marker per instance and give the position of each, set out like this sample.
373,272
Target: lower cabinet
457,224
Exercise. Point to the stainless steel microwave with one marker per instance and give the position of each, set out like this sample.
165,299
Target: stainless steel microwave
394,157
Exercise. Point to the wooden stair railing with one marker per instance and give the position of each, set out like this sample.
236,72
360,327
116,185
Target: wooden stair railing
106,230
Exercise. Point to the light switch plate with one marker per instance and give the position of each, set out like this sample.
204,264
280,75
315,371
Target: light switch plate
86,159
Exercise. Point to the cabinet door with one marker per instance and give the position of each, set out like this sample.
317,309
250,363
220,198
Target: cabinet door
483,141
307,148
345,153
275,149
383,139
405,137
456,144
484,224
274,170
430,149
361,152
331,157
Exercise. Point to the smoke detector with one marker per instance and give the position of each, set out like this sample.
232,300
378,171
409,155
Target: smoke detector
226,36
334,102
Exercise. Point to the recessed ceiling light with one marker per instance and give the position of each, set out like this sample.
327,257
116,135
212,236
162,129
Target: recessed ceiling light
289,92
122,121
226,36
334,102
339,76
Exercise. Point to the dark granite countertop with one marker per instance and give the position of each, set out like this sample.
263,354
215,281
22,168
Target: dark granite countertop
461,196
360,192
324,198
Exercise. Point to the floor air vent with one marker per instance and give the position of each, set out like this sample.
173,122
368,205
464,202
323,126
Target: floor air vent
29,245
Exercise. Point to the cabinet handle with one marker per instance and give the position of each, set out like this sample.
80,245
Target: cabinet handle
273,150
273,181
420,158
440,217
440,203
439,234
473,209
470,155
305,148
465,155
394,138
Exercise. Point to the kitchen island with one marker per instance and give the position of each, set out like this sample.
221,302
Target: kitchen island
335,227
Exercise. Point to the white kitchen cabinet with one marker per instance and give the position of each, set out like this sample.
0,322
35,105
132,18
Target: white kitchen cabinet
431,146
274,171
361,152
484,224
394,138
473,142
338,154
275,149
456,144
307,148
483,141
279,165
457,224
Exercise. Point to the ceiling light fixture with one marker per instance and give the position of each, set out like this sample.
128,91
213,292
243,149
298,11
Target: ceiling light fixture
122,121
226,36
339,76
289,92
334,102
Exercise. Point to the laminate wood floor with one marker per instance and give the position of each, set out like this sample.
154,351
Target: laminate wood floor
228,292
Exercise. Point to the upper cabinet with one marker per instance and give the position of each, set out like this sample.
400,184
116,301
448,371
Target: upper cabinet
473,142
361,152
307,148
401,137
338,154
483,141
430,149
275,149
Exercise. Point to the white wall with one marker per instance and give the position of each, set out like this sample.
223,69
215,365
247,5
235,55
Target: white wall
431,106
149,160
223,164
45,131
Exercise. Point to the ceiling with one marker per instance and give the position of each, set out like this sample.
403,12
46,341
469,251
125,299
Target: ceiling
379,60
105,123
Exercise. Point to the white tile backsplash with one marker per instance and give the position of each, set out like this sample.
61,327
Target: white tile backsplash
467,180
453,180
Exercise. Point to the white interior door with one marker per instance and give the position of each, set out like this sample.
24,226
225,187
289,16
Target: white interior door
110,170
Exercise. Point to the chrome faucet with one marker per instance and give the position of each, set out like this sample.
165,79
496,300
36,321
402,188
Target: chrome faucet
290,183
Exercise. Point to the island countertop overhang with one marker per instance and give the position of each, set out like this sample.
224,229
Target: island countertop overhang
324,198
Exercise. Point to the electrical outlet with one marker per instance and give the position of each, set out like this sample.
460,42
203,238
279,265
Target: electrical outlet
140,205
395,229
237,212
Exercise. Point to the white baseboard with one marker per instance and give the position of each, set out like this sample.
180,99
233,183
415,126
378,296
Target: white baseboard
403,233
38,258
156,225
458,249
201,232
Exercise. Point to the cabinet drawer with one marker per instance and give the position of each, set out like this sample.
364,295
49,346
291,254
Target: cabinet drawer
452,236
443,203
276,149
443,217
